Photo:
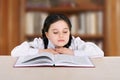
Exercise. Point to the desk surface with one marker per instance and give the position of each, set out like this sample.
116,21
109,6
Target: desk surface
107,68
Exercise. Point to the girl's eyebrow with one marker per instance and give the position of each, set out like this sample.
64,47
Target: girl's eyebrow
57,29
54,29
66,28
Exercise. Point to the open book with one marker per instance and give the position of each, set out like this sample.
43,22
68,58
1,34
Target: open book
48,59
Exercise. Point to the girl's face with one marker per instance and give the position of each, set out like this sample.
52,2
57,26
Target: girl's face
58,33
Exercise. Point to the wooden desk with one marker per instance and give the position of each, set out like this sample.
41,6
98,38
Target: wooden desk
107,68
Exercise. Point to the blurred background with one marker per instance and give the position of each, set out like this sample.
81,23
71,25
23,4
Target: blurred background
97,21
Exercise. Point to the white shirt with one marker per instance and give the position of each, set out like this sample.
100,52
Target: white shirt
79,47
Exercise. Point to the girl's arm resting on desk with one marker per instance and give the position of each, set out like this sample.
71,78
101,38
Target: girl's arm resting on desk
23,50
28,48
89,49
82,48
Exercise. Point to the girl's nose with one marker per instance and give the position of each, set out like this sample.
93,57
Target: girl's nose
60,35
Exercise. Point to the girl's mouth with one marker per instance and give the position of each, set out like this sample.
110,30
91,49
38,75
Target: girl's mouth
61,40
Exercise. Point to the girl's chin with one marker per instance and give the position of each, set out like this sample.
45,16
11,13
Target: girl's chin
60,45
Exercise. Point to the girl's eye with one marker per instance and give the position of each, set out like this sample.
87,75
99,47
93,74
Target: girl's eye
55,32
65,32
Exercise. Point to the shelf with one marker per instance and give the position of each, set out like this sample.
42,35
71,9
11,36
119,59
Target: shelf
66,9
91,13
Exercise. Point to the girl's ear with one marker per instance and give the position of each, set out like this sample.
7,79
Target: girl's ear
46,33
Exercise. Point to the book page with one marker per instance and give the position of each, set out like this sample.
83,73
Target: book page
68,60
34,60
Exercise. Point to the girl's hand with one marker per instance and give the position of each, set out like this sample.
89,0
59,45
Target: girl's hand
49,51
63,50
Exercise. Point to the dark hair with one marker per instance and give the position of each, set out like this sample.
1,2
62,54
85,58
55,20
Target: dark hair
52,18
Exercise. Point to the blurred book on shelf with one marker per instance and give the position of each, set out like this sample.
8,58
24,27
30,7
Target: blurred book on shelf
50,3
63,3
34,22
95,2
87,23
38,3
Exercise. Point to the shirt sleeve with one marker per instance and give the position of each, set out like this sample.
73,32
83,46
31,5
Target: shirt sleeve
90,49
27,48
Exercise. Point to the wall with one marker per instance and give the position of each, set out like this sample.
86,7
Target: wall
9,25
113,27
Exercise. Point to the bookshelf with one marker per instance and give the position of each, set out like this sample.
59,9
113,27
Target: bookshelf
86,17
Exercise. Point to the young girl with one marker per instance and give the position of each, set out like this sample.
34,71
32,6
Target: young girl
57,39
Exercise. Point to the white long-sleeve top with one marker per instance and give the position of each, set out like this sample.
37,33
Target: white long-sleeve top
79,47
